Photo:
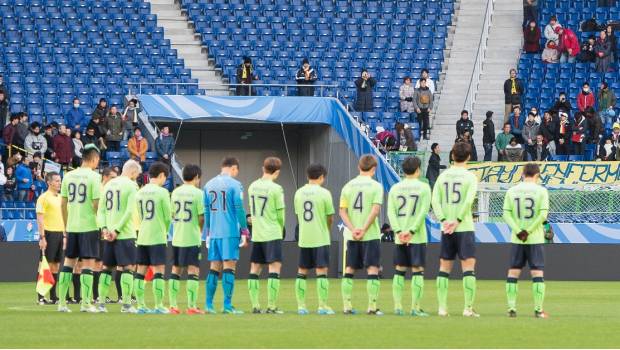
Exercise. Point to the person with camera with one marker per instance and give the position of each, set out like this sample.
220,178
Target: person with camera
306,75
245,76
364,85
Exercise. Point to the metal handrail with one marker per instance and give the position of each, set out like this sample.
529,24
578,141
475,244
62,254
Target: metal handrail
474,80
207,86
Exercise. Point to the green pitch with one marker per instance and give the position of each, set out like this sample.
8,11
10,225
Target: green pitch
583,314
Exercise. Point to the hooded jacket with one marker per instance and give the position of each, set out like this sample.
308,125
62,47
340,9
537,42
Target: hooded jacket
164,145
114,127
606,98
423,98
22,171
584,101
463,125
488,131
568,40
63,146
530,130
35,143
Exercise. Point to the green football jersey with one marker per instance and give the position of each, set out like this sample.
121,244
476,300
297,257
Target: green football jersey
81,187
358,196
453,195
267,210
526,207
118,206
313,205
153,203
408,204
187,207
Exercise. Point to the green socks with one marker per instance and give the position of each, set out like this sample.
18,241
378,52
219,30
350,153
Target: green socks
372,288
322,288
273,286
398,284
347,291
126,286
192,291
64,281
442,290
174,285
86,286
138,287
511,293
159,286
538,288
300,291
417,289
105,281
253,288
469,288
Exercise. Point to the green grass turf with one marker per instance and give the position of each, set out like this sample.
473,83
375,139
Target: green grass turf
583,314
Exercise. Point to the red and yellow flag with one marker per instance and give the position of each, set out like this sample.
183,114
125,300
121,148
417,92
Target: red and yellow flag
45,280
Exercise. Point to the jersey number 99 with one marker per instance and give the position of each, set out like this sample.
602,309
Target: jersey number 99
77,193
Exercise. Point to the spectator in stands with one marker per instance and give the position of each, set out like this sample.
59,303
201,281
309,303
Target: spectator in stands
5,117
245,76
434,165
585,98
530,130
550,28
406,93
604,53
550,53
531,36
14,160
76,118
466,137
514,151
429,82
578,136
8,134
3,87
595,126
35,142
549,131
78,146
100,132
615,136
387,234
90,137
561,104
513,90
164,145
10,184
537,117
385,140
137,146
502,141
606,98
306,75
423,104
530,10
63,146
464,124
608,151
2,177
404,138
101,111
564,134
114,130
569,44
516,124
586,53
49,138
23,129
611,36
488,136
23,179
131,117
364,86
539,151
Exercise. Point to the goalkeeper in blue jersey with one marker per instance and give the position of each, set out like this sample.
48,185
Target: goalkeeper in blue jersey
227,231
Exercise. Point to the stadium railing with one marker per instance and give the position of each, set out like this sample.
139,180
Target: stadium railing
324,90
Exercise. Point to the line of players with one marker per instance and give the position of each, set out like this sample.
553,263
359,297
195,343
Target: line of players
105,217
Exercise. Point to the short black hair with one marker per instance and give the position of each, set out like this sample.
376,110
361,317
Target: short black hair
586,84
531,170
136,129
157,168
422,80
507,124
228,162
49,176
89,152
461,152
191,171
424,70
464,112
107,171
272,164
434,146
314,171
411,165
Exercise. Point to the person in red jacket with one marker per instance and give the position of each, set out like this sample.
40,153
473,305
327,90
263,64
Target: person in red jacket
585,99
531,36
63,146
569,45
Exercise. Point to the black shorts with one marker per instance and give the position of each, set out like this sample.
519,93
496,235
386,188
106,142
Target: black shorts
266,252
186,256
83,245
53,251
462,244
311,258
100,250
119,252
363,254
410,255
533,254
151,255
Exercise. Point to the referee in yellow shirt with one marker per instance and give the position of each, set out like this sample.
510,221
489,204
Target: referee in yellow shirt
52,233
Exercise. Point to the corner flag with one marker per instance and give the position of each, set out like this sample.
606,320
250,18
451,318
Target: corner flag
45,280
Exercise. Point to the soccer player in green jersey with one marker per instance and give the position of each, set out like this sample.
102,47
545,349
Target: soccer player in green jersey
526,207
153,203
360,204
80,197
453,196
117,227
188,218
267,209
408,204
315,214
107,174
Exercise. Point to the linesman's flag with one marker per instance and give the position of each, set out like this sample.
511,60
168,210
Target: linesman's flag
45,280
